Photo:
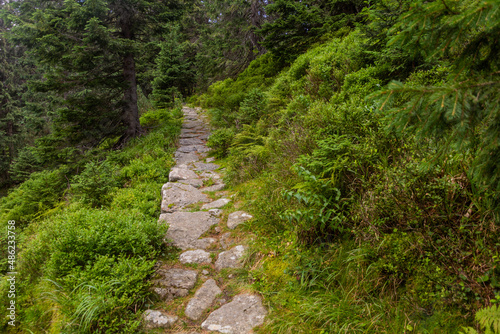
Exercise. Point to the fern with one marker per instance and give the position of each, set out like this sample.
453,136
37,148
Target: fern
489,320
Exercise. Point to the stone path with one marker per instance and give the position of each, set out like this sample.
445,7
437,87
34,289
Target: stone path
192,204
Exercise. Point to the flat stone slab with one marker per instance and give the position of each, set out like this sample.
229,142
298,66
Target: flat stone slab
168,294
202,300
190,141
186,227
216,204
187,149
201,166
190,135
237,317
158,319
177,278
236,218
192,124
195,256
184,158
177,174
230,258
215,187
211,159
210,175
202,148
178,195
197,183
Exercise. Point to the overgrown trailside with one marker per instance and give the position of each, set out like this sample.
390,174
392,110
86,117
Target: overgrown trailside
88,236
372,213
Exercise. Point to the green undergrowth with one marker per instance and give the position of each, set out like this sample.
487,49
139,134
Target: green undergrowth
363,224
88,236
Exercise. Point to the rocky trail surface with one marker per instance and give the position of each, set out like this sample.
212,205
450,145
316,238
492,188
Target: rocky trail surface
193,294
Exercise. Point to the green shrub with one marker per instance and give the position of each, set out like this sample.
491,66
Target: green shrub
95,182
220,141
155,117
34,197
102,297
253,107
78,237
142,197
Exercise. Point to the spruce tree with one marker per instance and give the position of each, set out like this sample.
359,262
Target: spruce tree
87,50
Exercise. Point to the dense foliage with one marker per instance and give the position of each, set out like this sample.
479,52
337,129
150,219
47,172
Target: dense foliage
364,136
374,159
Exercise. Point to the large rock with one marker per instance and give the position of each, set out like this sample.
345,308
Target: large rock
190,141
197,183
237,218
215,187
195,256
184,158
176,278
230,258
187,149
178,195
202,299
158,319
216,204
186,227
168,294
237,317
177,174
203,167
192,124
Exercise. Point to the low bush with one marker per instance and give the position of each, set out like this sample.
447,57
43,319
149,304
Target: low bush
220,141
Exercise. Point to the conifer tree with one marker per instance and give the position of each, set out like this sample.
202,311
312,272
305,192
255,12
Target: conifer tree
464,109
87,50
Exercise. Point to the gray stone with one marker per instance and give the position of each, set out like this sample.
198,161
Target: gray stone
203,167
237,317
178,195
210,175
205,272
177,174
186,227
224,240
201,148
215,187
195,256
192,124
202,299
187,149
189,135
230,258
210,160
204,136
185,131
216,204
237,218
168,294
215,212
158,319
197,183
203,243
184,158
190,141
177,278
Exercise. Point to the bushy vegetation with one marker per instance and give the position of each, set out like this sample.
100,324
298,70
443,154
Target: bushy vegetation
373,198
89,236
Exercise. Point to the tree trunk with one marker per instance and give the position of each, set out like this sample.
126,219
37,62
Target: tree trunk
130,114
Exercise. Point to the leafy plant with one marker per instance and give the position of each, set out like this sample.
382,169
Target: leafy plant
95,183
220,141
489,320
